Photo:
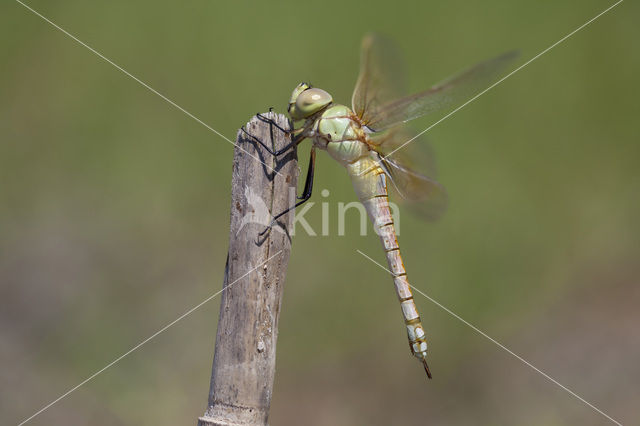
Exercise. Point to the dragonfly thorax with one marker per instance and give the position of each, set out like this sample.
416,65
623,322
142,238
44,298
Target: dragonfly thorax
337,130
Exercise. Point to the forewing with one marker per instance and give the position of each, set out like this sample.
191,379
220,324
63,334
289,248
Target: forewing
382,75
461,86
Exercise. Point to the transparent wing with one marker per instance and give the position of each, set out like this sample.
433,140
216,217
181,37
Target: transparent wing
462,86
423,194
382,75
402,142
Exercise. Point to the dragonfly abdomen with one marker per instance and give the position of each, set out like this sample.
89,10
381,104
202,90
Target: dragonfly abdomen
369,181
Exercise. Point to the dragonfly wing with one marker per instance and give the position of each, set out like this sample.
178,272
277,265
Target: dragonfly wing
461,86
382,75
425,196
420,191
416,152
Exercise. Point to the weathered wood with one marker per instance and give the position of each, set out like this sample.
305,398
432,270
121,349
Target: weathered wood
245,352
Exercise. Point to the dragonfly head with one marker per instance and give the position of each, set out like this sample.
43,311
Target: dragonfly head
306,101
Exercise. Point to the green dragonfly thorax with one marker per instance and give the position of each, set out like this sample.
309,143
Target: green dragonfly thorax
344,135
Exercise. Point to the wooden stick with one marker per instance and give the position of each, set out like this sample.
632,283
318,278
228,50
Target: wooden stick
245,352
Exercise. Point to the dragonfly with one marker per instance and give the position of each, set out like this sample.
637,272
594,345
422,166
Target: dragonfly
370,141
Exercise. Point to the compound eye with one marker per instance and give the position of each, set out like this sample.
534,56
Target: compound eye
312,100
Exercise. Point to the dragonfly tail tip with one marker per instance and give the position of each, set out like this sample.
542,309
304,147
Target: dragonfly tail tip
426,367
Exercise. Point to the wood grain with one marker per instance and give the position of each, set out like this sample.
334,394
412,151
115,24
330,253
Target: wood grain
245,350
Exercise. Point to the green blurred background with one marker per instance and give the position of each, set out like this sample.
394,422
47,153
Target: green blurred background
114,214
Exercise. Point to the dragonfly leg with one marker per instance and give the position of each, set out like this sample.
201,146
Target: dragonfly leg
294,142
271,121
306,193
